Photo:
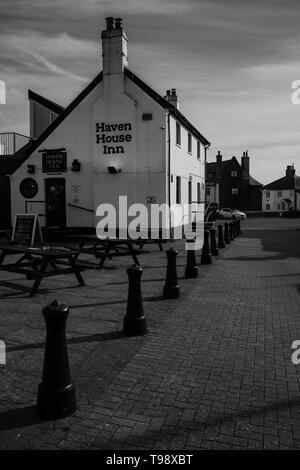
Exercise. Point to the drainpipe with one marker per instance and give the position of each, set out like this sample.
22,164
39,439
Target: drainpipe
169,171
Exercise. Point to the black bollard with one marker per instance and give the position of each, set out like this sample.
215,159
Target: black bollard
236,228
226,233
206,255
239,227
213,243
221,243
171,288
135,322
230,231
191,270
56,393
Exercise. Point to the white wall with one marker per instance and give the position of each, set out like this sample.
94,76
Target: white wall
274,199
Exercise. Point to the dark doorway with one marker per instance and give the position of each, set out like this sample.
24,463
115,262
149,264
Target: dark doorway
5,208
55,202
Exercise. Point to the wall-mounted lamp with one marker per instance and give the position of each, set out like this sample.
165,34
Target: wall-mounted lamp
113,170
76,165
31,169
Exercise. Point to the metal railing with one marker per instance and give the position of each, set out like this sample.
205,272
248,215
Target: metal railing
11,142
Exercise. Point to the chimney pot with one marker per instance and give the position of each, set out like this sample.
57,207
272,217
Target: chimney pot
168,93
118,23
109,23
173,91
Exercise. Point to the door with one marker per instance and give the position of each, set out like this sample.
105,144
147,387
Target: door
55,189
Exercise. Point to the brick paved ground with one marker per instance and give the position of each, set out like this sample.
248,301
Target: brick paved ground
214,372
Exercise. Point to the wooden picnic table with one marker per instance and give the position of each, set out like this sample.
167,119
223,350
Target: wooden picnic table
35,260
104,249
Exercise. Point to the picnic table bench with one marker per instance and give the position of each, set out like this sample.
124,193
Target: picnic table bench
35,260
104,249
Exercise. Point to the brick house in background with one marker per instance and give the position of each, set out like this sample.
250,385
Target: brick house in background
284,193
229,184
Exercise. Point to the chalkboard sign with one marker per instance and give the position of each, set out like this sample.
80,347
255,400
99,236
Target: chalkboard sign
54,161
27,229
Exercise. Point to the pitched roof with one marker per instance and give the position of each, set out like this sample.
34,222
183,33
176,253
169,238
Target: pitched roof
54,107
27,150
167,105
254,182
286,182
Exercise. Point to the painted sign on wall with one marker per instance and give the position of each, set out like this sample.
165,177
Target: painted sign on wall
113,137
54,161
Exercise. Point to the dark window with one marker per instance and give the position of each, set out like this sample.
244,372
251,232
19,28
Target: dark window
268,194
198,150
189,142
208,190
235,191
147,117
268,207
190,192
178,134
28,188
198,193
178,190
279,193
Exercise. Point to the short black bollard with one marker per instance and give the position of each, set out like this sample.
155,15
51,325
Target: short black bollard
221,243
226,233
230,231
236,226
56,393
239,226
233,224
213,243
206,255
171,288
191,270
135,322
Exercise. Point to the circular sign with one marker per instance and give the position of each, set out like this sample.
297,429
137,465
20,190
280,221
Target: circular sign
28,188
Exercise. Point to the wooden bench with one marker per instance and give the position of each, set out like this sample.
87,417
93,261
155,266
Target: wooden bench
38,262
104,249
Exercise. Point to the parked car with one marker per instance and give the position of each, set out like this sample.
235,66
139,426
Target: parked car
227,213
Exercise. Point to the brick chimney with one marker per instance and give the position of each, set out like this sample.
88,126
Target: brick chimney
114,47
245,166
290,170
219,157
219,167
172,97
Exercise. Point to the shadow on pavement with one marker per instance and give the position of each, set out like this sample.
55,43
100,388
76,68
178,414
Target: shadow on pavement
284,242
82,339
19,418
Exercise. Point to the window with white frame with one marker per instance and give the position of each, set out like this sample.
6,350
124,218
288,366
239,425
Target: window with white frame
189,142
233,173
178,134
178,190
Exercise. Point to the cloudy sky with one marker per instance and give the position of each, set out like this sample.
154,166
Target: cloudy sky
232,62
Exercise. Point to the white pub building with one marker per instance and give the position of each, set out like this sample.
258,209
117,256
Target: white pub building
117,137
